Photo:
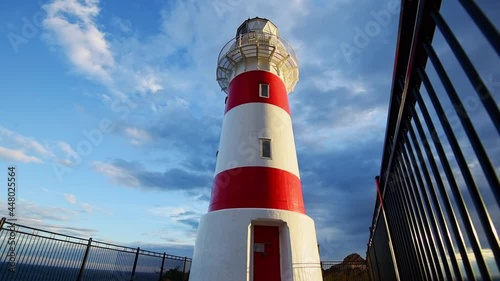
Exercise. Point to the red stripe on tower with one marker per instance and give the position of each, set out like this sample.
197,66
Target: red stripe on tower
244,88
257,187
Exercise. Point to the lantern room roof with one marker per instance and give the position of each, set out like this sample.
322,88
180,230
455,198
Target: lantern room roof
258,24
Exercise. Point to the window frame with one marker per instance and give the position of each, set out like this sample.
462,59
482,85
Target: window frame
268,90
261,148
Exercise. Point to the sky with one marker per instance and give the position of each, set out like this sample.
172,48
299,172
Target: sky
111,113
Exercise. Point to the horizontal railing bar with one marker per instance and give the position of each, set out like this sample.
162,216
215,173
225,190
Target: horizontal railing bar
41,230
407,79
52,239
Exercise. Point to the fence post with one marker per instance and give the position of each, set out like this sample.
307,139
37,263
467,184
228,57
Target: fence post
135,264
391,249
184,269
85,257
162,264
2,221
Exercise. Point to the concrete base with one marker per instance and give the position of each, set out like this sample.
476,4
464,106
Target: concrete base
224,245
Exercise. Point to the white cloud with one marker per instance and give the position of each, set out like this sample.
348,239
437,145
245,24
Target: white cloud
26,143
166,211
189,38
35,212
137,136
121,65
17,155
89,208
72,25
66,148
116,174
334,79
351,127
150,84
22,145
46,217
70,198
69,152
122,24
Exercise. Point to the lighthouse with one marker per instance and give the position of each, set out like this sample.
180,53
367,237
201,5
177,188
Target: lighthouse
256,228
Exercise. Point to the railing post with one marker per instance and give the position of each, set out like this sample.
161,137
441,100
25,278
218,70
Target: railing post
2,221
135,264
184,269
85,257
162,264
391,249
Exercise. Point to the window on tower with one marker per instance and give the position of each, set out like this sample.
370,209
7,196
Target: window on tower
265,148
264,90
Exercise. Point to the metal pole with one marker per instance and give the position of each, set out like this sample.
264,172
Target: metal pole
377,183
162,264
479,86
135,264
376,261
184,269
84,262
484,24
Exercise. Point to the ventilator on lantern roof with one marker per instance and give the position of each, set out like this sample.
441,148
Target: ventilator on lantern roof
257,46
258,24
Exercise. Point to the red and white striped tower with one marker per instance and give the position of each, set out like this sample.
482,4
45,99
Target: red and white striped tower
256,227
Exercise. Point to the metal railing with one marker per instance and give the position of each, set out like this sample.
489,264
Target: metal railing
437,211
262,45
29,253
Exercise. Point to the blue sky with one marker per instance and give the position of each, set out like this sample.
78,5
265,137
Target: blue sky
111,113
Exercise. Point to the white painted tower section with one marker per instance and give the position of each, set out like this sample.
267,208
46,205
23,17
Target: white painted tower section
251,122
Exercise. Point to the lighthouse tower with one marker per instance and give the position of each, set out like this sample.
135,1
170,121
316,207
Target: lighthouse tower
256,228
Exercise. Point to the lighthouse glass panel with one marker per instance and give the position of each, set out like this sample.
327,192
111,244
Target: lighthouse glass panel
265,148
264,90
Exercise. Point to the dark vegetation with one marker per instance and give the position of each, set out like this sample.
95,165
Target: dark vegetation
175,274
352,268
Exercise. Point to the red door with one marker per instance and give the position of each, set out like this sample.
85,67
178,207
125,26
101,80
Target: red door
266,253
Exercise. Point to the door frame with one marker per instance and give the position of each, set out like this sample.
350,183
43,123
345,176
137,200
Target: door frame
284,245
